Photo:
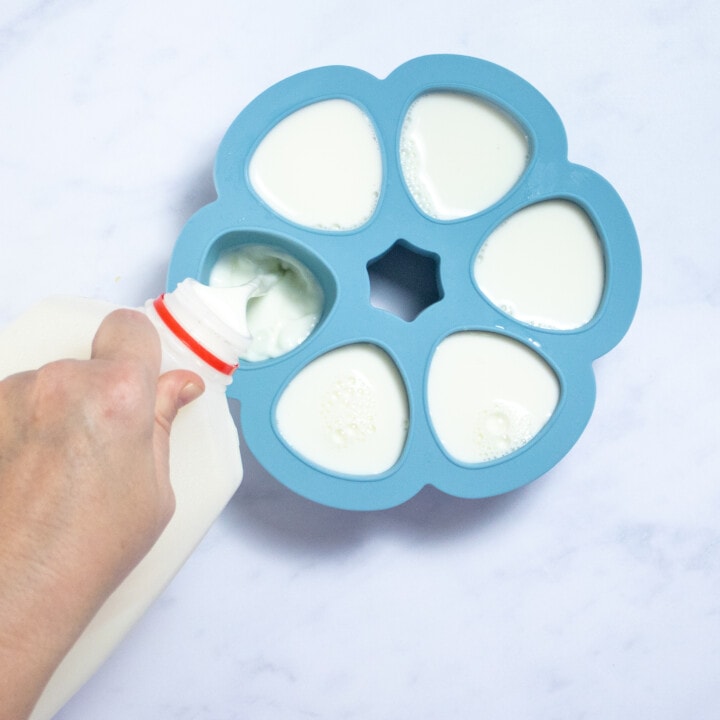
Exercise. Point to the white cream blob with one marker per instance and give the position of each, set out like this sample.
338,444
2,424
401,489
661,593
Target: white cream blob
459,154
488,395
347,411
289,306
320,166
544,266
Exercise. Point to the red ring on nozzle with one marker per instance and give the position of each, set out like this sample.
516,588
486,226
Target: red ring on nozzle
187,339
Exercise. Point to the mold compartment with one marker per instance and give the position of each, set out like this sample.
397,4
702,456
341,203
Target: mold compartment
346,411
320,166
544,266
301,290
488,395
460,154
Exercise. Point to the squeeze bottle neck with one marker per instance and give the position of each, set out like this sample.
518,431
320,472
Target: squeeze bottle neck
204,328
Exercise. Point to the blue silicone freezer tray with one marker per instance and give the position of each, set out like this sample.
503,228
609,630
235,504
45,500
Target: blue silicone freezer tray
340,261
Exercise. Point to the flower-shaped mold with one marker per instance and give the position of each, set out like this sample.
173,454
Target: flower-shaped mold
452,173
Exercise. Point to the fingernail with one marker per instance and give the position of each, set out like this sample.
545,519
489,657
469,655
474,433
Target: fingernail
191,391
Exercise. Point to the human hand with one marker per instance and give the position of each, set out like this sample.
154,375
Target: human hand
84,492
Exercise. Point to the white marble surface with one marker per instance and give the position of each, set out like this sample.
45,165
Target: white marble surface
592,593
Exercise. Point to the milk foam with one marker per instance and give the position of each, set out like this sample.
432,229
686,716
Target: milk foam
290,303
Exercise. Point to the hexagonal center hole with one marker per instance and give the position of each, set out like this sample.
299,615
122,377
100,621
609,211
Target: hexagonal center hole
405,280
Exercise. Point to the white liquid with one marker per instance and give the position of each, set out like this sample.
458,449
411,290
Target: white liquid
544,266
347,411
286,313
320,166
205,471
459,154
488,395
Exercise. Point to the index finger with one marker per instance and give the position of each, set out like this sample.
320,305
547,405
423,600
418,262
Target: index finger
128,335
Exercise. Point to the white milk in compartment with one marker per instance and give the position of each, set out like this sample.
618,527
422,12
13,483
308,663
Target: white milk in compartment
320,166
544,266
488,395
347,411
459,154
288,310
205,464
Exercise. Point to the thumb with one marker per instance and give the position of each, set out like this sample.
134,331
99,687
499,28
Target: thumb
175,389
